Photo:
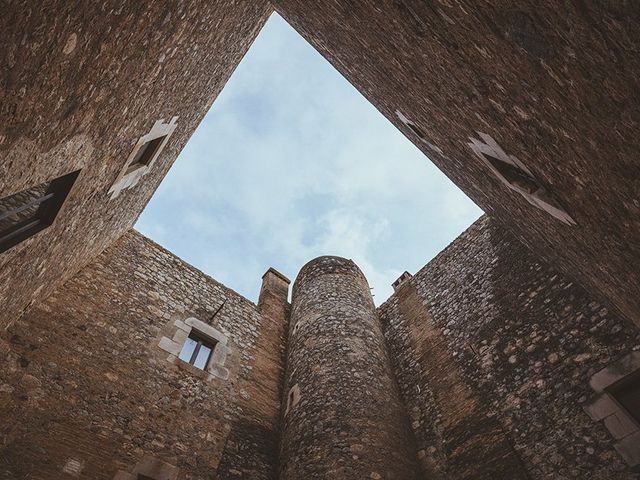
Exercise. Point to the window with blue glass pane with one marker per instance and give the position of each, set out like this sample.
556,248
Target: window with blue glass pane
197,351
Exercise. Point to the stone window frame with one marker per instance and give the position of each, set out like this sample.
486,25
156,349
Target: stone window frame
605,408
128,176
488,148
293,398
150,467
47,205
215,368
417,131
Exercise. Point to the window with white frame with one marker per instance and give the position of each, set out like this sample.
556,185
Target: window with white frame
143,155
199,345
515,175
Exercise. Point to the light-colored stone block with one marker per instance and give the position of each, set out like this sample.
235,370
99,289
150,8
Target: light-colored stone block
219,372
124,476
616,371
620,425
182,326
170,346
601,407
207,330
180,336
629,448
157,469
219,355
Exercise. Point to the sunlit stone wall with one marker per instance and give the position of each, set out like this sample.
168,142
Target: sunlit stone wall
342,415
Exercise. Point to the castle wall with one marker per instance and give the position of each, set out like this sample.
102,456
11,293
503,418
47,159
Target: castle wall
554,84
80,83
342,416
494,351
88,387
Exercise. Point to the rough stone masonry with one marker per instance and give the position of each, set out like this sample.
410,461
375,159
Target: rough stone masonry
479,366
513,354
342,404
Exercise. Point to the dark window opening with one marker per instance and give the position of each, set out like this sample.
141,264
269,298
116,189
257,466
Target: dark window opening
417,130
514,175
145,153
197,351
26,213
627,393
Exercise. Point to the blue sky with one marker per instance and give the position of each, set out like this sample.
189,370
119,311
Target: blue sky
291,162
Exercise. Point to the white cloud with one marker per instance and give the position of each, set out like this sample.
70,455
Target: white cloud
291,163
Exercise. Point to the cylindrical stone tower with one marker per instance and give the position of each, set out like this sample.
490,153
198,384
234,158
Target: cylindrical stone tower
342,414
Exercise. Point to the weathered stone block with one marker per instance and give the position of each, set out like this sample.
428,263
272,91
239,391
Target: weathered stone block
629,448
156,469
616,371
170,346
601,407
620,425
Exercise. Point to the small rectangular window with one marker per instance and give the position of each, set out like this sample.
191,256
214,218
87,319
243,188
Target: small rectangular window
146,153
514,175
26,213
197,351
627,394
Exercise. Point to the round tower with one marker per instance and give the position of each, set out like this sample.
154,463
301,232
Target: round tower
342,415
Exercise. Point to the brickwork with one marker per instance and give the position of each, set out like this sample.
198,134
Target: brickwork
343,417
86,386
80,84
555,84
493,352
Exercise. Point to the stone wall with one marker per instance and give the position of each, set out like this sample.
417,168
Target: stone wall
342,415
494,351
554,84
80,84
88,386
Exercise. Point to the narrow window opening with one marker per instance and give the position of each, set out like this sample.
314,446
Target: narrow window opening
415,129
197,351
146,153
514,175
30,211
627,393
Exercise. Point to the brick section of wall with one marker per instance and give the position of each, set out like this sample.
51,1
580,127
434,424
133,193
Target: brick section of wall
342,413
80,84
556,84
84,383
486,329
